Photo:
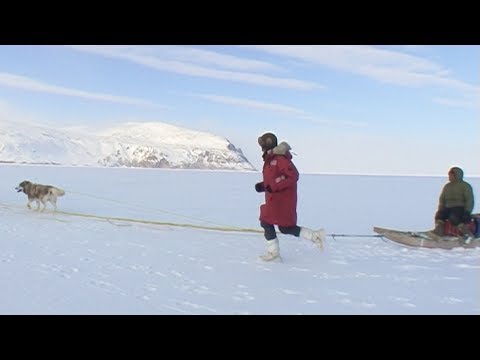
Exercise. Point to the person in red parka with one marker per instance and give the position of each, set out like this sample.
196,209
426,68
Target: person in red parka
280,177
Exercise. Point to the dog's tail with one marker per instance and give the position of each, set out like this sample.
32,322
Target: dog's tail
57,191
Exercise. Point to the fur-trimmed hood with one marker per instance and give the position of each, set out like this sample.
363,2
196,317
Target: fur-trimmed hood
282,149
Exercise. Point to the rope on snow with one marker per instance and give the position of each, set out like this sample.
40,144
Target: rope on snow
224,228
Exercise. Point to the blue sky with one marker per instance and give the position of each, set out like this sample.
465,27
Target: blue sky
343,109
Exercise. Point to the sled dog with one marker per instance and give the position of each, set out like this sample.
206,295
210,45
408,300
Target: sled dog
41,194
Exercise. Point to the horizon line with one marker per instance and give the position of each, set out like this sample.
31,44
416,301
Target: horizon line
7,163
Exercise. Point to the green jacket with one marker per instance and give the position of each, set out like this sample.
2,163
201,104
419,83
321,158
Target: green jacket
457,193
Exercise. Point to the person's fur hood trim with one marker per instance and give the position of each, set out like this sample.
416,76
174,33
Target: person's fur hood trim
281,149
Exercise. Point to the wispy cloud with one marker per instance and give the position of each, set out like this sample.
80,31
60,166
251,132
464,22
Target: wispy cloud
192,61
208,57
458,103
253,104
274,107
25,83
406,48
382,65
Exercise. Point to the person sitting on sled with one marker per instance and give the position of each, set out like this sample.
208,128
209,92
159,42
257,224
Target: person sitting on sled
455,204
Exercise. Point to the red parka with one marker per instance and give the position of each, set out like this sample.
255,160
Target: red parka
280,176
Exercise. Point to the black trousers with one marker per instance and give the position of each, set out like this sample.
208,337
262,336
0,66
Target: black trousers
455,215
270,234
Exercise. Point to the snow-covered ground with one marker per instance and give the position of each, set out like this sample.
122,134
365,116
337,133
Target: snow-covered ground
60,264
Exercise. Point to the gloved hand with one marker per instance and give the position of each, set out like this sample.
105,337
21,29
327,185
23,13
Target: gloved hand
259,187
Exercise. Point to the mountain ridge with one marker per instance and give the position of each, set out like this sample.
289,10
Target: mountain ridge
142,145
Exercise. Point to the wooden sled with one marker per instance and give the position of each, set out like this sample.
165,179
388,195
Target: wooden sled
426,239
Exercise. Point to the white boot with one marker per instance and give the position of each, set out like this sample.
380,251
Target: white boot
317,237
273,251
468,240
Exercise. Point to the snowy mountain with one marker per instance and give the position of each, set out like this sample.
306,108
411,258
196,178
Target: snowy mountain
148,145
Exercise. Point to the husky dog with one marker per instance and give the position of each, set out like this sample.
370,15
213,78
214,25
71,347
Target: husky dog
40,194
